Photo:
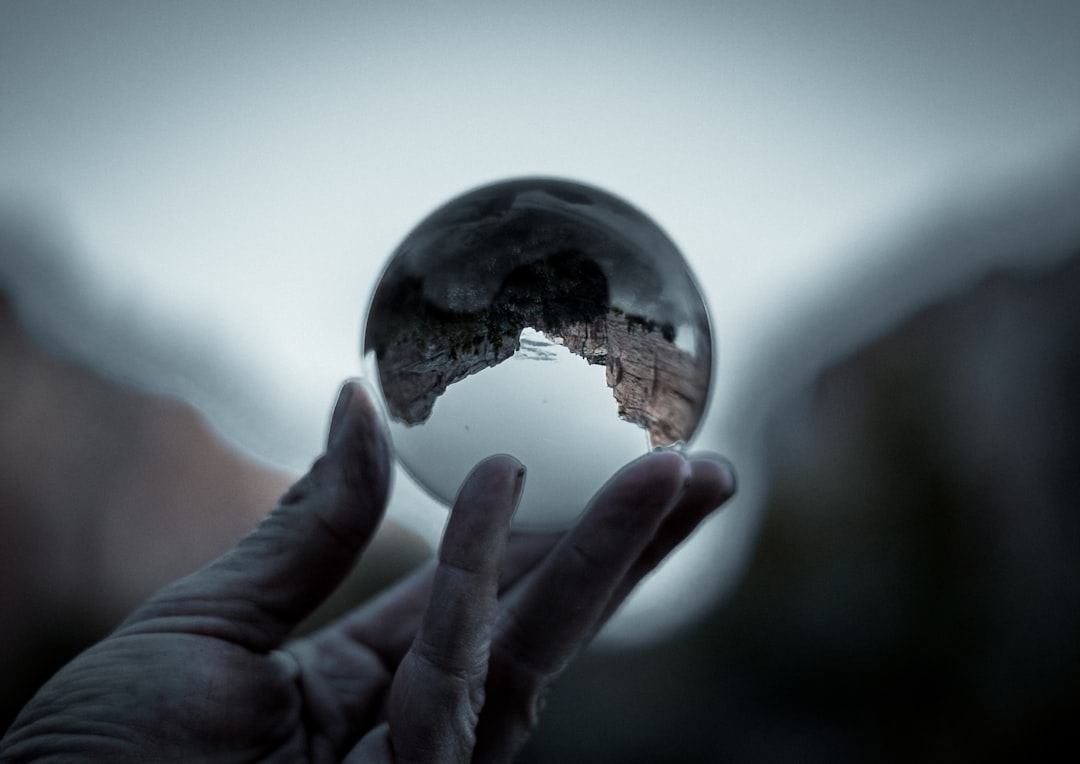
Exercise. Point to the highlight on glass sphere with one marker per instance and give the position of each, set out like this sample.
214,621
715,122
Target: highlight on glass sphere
545,319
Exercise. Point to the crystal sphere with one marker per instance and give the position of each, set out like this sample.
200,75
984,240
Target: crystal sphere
541,318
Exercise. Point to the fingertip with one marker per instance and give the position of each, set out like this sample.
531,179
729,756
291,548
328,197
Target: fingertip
501,473
355,400
715,471
505,462
648,486
337,419
666,468
483,508
712,484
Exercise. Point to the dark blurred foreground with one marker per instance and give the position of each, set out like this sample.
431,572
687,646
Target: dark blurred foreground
915,595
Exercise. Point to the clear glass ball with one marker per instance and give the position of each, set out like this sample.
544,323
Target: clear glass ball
545,319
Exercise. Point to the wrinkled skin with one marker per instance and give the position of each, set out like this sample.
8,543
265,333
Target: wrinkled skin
451,664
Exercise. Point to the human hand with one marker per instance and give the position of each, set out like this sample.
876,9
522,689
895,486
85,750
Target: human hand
451,664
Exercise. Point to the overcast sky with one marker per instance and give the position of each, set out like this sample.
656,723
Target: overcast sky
227,179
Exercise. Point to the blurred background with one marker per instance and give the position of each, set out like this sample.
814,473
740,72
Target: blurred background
879,200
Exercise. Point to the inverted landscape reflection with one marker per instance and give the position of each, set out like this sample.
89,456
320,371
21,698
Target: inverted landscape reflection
536,270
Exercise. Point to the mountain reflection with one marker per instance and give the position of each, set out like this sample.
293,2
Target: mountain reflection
423,349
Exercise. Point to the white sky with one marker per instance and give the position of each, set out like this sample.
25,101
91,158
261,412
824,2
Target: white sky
229,178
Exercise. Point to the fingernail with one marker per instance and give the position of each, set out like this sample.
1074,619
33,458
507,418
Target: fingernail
519,487
338,417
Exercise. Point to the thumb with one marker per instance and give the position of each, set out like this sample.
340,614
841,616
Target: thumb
261,589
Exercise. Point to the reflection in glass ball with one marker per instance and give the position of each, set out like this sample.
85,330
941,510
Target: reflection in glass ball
544,319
